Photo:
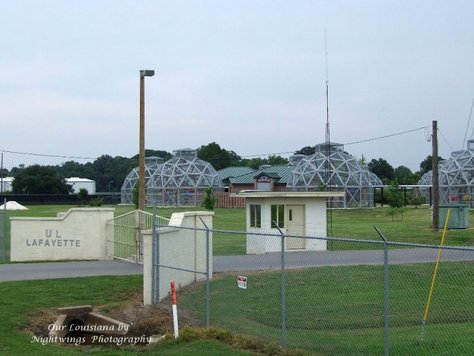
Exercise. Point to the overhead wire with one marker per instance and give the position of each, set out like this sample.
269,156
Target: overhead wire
445,140
386,136
243,156
47,155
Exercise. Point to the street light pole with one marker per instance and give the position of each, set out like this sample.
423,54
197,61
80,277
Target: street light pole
435,176
141,155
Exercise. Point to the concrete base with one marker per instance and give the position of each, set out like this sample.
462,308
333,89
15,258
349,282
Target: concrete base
81,319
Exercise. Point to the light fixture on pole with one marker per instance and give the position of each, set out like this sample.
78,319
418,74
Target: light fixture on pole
141,155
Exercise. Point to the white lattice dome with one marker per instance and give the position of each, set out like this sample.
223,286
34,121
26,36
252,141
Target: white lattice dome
456,177
151,166
332,168
178,181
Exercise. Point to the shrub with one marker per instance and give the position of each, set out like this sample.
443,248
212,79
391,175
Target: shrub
209,199
96,201
83,195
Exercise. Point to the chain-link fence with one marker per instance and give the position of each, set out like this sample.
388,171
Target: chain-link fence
372,297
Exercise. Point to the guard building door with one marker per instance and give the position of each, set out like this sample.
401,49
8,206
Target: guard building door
295,225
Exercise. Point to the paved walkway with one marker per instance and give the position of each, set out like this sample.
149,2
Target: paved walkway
271,261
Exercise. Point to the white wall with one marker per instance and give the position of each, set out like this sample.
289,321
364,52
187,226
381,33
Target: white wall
79,234
181,248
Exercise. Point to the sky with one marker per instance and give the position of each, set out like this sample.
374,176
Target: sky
249,75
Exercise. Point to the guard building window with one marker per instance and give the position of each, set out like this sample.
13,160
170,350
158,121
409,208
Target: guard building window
278,216
255,215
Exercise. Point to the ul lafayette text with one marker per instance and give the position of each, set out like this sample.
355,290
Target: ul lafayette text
53,239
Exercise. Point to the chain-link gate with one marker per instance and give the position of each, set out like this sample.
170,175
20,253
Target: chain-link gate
127,243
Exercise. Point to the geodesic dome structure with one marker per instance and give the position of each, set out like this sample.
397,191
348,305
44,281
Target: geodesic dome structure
126,192
456,178
179,181
332,168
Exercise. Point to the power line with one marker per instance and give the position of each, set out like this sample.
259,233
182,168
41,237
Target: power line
243,156
46,155
346,144
268,154
445,140
386,136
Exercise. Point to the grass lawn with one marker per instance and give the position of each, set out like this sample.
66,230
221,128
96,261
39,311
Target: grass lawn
339,310
19,300
330,310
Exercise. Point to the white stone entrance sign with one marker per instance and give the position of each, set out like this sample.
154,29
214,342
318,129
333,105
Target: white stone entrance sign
79,234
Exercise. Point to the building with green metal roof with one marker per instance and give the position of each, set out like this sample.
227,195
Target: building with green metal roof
266,178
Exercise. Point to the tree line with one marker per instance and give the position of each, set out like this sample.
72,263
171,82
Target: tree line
110,172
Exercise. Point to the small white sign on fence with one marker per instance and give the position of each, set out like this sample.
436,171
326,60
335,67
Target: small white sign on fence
242,282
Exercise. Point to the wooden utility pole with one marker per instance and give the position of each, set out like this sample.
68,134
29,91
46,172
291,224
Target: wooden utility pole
435,179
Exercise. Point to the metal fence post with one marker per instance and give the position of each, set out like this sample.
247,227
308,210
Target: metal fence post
283,288
208,297
208,291
386,284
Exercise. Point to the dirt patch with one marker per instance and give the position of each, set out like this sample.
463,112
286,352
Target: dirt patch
143,320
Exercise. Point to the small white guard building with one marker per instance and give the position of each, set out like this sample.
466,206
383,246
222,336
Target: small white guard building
294,213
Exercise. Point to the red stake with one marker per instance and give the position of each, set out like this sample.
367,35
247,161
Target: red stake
175,309
173,293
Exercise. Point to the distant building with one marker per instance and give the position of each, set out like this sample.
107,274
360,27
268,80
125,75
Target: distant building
6,184
81,183
267,178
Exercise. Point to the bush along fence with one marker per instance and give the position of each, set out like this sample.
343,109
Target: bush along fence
372,297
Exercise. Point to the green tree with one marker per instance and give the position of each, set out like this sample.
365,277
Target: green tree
83,195
38,179
135,195
382,169
74,169
152,153
395,199
254,162
405,176
210,199
395,196
307,150
218,157
277,160
426,165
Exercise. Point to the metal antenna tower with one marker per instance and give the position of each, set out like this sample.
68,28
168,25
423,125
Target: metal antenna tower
328,131
468,124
